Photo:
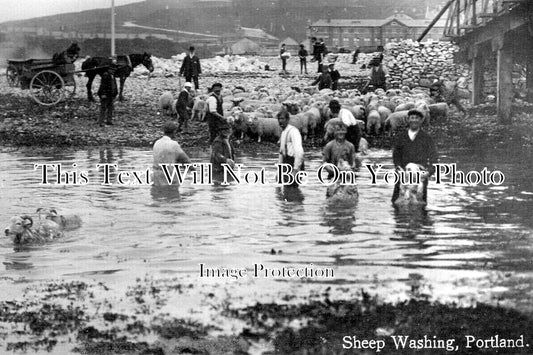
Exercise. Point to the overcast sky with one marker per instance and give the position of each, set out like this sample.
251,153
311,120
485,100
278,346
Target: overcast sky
23,9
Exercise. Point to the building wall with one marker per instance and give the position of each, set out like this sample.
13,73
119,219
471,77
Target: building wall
351,37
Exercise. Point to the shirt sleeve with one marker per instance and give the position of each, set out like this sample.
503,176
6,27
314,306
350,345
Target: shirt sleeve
212,104
296,140
181,156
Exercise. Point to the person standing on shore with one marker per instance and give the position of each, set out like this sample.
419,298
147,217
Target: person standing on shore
167,151
302,54
184,106
356,55
335,76
190,68
377,75
107,92
323,80
284,55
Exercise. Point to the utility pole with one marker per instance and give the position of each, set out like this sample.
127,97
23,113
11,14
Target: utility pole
113,54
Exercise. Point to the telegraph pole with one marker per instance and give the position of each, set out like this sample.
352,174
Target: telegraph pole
113,29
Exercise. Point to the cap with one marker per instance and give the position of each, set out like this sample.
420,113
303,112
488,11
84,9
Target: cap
170,127
187,85
417,112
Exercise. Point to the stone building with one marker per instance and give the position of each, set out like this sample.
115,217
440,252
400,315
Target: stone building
344,33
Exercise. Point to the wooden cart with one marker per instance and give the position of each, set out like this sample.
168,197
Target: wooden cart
48,82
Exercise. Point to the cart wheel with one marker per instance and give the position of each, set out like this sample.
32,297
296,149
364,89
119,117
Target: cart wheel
12,76
46,88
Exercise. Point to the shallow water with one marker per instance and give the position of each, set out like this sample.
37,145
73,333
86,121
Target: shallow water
472,243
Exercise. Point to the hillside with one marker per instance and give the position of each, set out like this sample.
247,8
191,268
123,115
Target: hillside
281,18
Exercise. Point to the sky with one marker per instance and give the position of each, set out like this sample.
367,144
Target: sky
24,9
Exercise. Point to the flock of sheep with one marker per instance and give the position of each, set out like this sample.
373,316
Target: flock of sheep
252,111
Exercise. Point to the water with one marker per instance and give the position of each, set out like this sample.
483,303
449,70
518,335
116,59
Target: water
473,243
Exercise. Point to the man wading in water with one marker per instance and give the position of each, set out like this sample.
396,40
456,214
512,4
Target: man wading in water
414,146
291,150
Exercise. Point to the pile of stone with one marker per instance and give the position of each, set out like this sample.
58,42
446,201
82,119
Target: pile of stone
226,64
417,64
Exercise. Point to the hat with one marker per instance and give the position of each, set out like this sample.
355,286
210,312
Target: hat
169,127
187,85
417,112
215,85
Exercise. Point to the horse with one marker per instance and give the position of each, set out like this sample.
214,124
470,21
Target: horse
125,64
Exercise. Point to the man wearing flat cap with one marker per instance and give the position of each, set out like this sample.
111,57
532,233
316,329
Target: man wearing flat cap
414,146
184,106
167,151
215,112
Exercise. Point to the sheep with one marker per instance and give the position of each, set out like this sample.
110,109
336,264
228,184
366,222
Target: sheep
396,120
301,122
264,127
239,122
167,104
373,122
314,119
411,195
439,110
22,231
405,106
199,108
65,222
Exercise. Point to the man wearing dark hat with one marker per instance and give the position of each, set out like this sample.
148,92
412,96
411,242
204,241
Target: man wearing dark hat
414,146
215,112
191,68
167,151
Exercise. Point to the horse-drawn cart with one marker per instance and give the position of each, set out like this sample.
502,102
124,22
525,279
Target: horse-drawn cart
48,80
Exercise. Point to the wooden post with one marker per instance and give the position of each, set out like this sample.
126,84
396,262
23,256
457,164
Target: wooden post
505,85
529,78
478,78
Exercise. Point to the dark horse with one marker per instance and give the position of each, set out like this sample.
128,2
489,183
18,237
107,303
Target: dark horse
124,66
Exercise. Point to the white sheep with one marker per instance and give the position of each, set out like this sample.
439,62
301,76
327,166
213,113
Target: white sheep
264,127
301,122
167,104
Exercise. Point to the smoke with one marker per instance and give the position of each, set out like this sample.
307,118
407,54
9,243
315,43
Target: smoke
14,46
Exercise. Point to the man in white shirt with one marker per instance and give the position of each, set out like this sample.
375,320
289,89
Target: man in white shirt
215,111
354,132
291,150
167,151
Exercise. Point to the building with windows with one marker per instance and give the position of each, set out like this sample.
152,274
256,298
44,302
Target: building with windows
343,33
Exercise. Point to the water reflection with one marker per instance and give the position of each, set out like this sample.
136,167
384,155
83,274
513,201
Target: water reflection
463,227
411,221
340,217
20,260
170,193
